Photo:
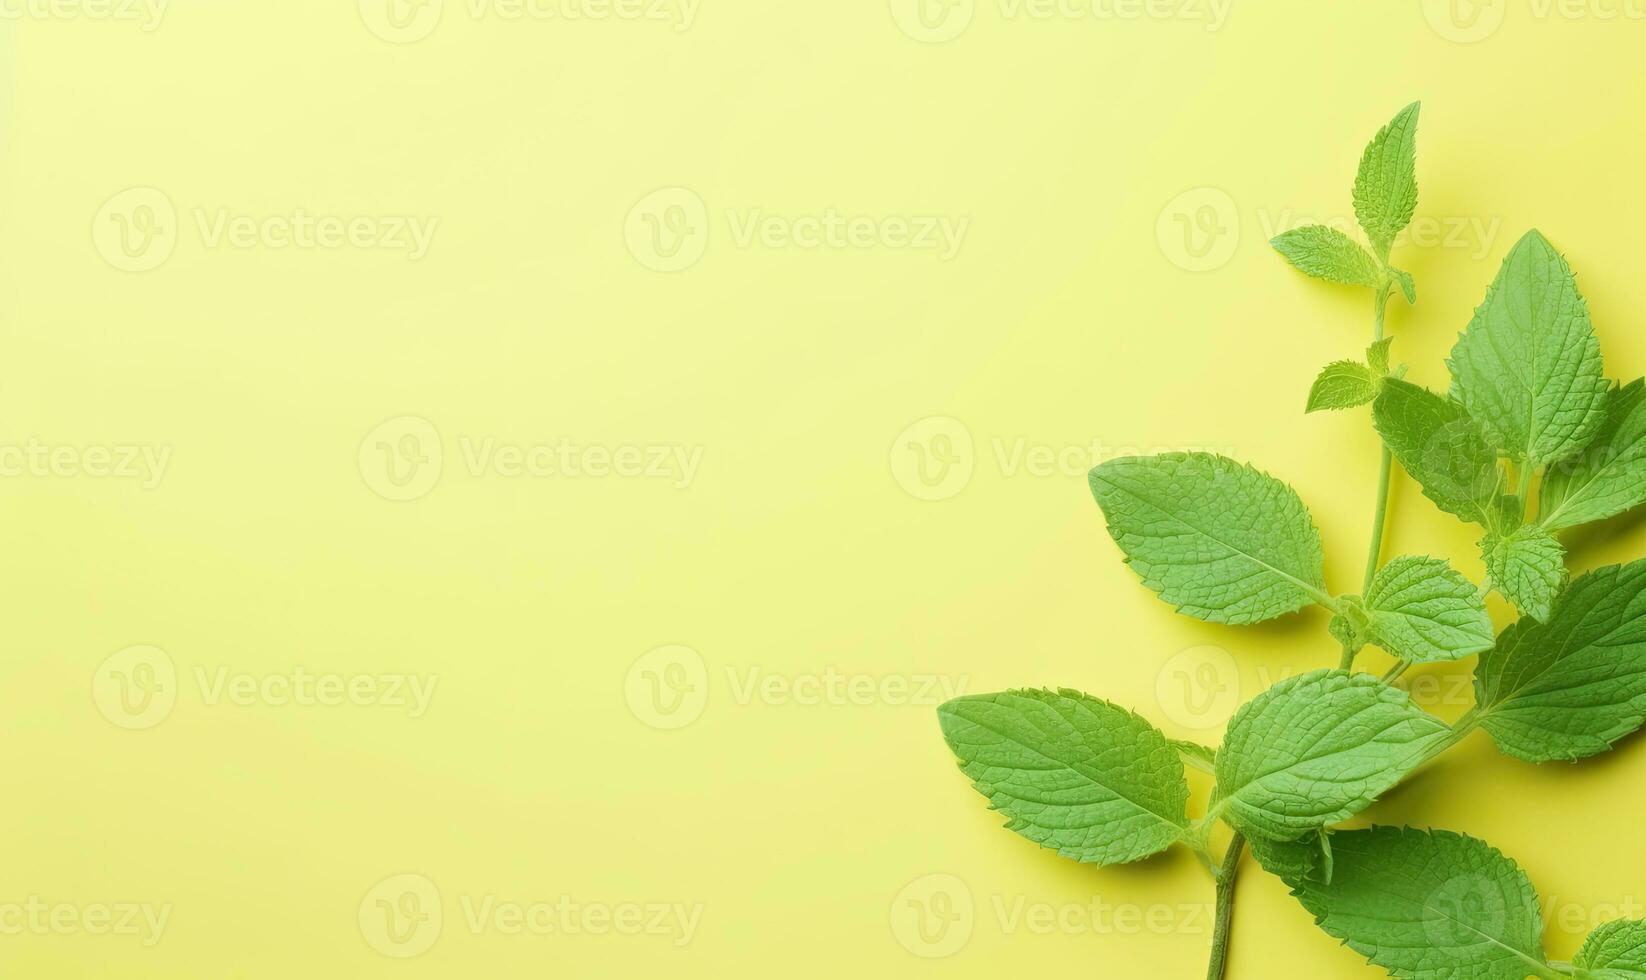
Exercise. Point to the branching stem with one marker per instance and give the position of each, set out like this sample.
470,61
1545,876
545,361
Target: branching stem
1380,309
1225,908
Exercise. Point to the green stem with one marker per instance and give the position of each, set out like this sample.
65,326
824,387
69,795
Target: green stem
1376,550
1461,730
1225,908
1206,861
1526,490
1380,309
1348,659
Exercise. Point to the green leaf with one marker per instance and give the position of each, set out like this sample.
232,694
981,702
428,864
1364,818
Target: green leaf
1377,357
1508,512
1351,623
1528,367
1343,384
1441,447
1199,756
1220,540
1316,749
1326,253
1615,951
1408,285
1528,566
1570,687
1607,478
1093,781
1429,905
1291,860
1424,611
1386,186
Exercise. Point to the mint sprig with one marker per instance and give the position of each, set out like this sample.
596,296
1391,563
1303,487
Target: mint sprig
1529,440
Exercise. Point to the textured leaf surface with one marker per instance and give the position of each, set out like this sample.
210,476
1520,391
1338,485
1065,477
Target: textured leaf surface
1571,687
1326,253
1316,749
1377,356
1290,860
1351,624
1386,186
1608,477
1528,566
1440,446
1425,611
1528,367
1220,540
1408,285
1093,781
1429,905
1615,951
1343,384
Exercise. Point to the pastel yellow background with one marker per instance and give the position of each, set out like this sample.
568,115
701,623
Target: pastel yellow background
790,817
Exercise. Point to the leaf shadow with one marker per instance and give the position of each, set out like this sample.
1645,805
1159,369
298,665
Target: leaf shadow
1310,620
1585,540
